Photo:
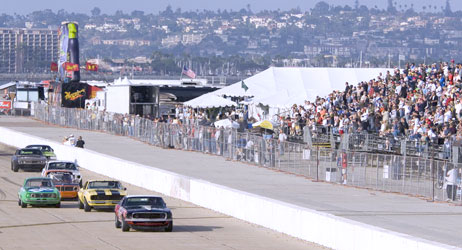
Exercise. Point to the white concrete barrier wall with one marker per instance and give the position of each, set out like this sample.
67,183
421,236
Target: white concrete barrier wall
321,228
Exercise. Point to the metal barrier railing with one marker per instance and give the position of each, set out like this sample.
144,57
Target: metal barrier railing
373,142
424,177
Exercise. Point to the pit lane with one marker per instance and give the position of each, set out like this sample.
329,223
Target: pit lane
70,228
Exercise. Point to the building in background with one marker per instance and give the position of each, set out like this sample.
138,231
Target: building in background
25,50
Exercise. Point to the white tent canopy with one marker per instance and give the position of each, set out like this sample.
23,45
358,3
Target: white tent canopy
209,101
226,123
121,81
283,87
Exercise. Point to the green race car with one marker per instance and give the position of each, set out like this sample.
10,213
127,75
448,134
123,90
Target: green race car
47,151
38,191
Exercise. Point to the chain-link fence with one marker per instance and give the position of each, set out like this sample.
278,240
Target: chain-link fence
419,176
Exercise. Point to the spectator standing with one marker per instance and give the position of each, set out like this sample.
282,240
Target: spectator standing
281,141
71,140
80,142
451,183
249,150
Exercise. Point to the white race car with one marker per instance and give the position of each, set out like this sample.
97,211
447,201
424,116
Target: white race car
63,165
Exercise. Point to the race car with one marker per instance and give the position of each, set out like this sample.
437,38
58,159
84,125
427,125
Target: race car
38,191
65,181
64,165
102,194
143,212
47,151
28,158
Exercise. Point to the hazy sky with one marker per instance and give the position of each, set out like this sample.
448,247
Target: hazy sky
154,6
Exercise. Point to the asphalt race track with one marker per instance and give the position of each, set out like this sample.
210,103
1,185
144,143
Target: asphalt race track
70,228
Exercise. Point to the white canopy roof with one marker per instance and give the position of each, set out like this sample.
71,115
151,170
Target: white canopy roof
121,81
283,87
209,101
7,85
226,123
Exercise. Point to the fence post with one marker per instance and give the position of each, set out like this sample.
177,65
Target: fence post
317,162
432,167
377,178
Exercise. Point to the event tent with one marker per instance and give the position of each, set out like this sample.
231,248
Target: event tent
283,87
209,101
226,123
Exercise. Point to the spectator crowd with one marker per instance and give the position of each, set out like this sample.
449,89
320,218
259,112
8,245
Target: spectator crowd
420,103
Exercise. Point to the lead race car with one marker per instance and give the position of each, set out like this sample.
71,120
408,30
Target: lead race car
38,191
143,212
100,194
28,158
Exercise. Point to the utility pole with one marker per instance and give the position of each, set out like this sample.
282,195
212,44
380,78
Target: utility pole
388,59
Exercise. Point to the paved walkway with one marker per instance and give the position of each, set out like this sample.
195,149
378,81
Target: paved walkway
439,222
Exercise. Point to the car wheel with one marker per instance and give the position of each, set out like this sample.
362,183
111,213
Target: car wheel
15,168
86,207
117,222
58,205
125,226
19,202
80,204
23,204
170,227
80,183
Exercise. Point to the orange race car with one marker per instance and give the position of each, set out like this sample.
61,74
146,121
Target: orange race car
65,181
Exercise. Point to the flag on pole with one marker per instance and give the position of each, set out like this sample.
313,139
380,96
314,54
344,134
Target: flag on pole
71,67
54,67
91,67
188,72
244,86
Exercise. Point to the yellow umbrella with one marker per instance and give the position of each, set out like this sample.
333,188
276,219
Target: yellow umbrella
263,124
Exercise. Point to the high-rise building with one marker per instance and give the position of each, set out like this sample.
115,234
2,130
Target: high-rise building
391,8
27,50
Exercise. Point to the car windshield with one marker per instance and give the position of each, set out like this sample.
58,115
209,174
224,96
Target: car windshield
104,184
62,177
41,147
31,151
38,183
62,165
156,202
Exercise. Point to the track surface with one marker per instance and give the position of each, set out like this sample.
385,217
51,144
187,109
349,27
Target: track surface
434,221
70,228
